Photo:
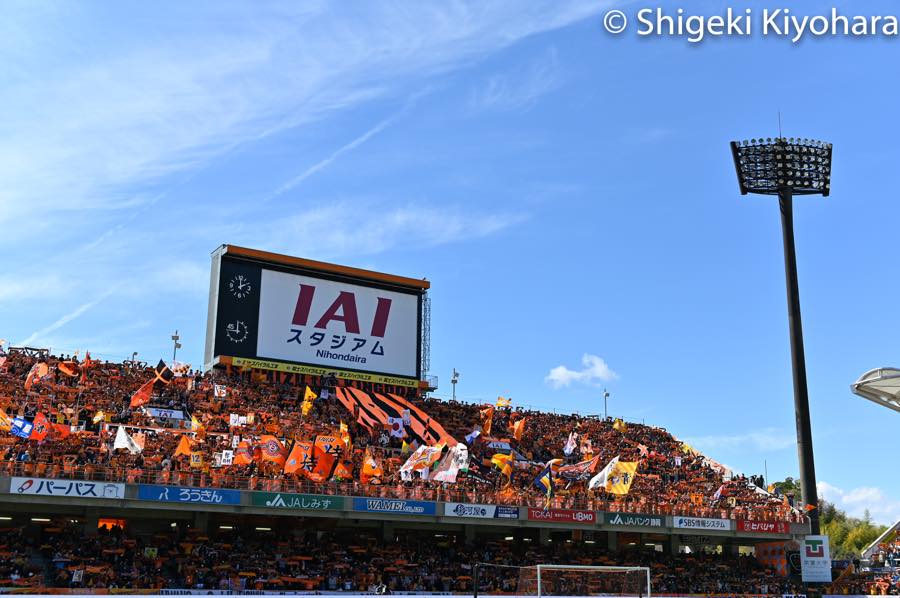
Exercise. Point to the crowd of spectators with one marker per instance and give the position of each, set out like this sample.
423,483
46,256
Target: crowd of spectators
91,404
359,561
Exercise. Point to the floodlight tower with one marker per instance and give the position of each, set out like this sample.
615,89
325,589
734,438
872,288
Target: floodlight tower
788,167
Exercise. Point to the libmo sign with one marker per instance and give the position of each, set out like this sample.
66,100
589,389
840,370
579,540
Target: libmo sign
562,516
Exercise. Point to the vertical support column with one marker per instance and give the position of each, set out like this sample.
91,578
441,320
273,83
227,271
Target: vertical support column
387,532
91,521
544,536
612,540
470,534
798,361
201,521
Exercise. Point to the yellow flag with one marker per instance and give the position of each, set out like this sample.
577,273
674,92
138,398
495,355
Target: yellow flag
306,407
309,395
345,434
5,421
98,417
404,450
621,477
620,426
687,449
195,424
503,463
196,459
503,402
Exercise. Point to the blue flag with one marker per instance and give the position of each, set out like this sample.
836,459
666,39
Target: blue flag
21,427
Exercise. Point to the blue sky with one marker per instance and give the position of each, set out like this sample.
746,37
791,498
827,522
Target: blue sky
569,193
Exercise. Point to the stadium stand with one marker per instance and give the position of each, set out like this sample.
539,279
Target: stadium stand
62,418
354,562
184,428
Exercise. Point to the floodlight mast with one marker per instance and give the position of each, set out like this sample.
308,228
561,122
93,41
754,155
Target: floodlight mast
788,167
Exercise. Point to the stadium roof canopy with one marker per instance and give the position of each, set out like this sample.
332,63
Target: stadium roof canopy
880,386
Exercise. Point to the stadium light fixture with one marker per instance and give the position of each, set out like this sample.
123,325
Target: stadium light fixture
786,167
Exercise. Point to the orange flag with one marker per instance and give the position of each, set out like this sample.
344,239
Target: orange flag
371,469
343,470
142,395
184,446
41,427
69,368
60,431
300,458
272,449
326,451
487,418
37,373
243,454
518,429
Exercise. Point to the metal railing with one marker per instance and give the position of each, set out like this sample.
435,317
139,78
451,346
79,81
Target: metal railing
413,491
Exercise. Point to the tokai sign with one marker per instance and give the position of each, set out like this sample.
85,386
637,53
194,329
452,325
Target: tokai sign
562,516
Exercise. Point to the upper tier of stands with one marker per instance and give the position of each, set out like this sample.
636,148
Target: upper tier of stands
89,406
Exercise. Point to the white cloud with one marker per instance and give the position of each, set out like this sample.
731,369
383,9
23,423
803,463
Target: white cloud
857,501
27,286
765,439
39,335
362,227
132,109
519,90
594,371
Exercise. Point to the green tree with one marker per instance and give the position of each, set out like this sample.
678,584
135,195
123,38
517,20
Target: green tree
848,536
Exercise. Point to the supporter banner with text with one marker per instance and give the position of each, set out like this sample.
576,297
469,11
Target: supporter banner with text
308,370
562,516
701,523
458,509
69,488
399,507
764,527
298,502
209,496
634,520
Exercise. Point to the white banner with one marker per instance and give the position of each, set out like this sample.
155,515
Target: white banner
815,559
70,488
165,413
459,509
336,324
701,523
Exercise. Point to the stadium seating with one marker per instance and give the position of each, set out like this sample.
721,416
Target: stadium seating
235,559
84,402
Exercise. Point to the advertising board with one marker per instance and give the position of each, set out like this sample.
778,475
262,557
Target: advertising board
272,309
399,507
209,496
634,520
297,502
702,523
459,509
764,527
69,488
562,516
